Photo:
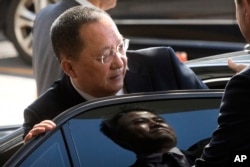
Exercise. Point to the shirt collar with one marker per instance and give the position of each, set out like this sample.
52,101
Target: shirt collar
85,3
90,97
158,157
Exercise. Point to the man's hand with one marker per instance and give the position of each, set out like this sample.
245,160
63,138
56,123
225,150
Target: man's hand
40,128
235,67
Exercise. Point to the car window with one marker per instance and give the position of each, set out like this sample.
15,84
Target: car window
89,142
51,153
79,142
191,124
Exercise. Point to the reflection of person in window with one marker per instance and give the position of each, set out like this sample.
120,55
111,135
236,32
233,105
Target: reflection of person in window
146,134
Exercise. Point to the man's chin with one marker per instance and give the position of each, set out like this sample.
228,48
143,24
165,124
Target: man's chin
116,86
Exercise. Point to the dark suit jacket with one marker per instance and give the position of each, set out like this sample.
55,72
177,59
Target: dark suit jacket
45,64
232,134
152,69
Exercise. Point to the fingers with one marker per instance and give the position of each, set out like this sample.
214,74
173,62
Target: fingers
235,67
231,64
47,124
27,137
40,128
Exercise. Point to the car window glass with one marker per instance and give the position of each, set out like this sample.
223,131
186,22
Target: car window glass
95,149
79,142
51,153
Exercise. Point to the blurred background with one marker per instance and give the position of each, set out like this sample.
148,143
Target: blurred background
17,86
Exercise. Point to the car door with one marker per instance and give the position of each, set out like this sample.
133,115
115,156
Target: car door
77,140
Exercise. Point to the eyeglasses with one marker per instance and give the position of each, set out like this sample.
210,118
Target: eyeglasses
109,54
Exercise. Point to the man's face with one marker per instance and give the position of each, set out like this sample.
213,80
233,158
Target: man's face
243,17
145,127
92,76
108,4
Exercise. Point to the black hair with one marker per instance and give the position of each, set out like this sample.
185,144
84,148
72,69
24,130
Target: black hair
64,31
110,126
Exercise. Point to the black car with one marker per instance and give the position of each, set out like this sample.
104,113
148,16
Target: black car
192,26
77,140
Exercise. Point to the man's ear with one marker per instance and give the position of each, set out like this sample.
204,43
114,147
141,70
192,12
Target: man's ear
68,68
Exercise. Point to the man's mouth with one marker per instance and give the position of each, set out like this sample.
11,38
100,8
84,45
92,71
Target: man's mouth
160,130
117,75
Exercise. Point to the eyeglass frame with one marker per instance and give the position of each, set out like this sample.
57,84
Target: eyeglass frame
113,52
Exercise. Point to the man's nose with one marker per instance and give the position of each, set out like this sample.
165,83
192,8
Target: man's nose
117,60
154,123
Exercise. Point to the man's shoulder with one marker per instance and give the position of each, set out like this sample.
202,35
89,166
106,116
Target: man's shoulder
152,56
48,101
245,73
59,97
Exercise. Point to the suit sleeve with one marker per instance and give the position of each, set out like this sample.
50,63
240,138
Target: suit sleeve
30,119
232,133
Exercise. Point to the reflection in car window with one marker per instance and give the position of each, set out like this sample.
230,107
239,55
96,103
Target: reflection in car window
79,141
190,126
95,149
51,153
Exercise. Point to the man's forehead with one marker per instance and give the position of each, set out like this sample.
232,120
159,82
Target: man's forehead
99,31
130,116
141,113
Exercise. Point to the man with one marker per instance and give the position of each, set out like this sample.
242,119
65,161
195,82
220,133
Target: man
141,131
92,53
232,136
45,65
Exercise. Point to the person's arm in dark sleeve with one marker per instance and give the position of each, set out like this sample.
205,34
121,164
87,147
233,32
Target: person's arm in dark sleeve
232,133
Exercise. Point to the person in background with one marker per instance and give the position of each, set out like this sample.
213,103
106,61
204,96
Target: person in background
142,131
45,64
94,57
232,135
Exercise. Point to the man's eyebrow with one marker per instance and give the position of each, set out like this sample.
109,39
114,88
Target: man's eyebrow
139,118
159,117
109,47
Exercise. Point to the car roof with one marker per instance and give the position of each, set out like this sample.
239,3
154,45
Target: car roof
242,57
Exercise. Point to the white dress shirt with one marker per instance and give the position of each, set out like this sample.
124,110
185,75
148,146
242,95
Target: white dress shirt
87,96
